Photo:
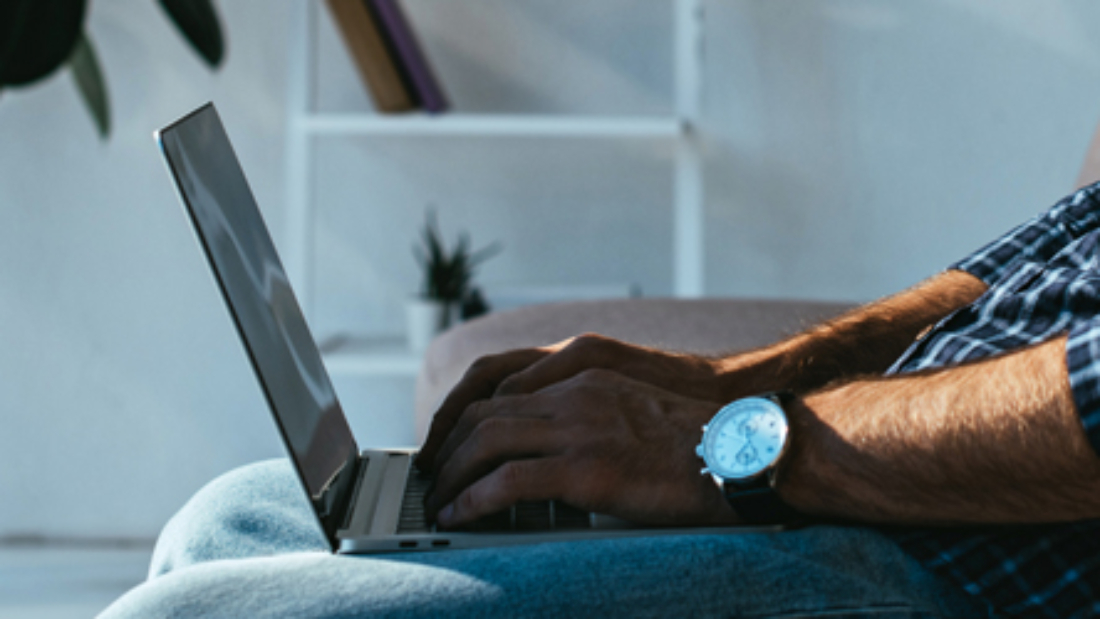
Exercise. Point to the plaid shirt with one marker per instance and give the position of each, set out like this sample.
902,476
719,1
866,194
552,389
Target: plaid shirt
1044,281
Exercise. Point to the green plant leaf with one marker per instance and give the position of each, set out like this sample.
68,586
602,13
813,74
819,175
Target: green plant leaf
89,81
36,37
447,274
198,21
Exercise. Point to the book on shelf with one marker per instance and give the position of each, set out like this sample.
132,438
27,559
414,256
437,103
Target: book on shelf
406,50
378,68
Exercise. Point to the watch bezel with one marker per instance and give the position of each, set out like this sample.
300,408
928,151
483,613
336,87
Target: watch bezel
733,408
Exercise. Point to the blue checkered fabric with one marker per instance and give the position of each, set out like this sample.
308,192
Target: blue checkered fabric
1044,281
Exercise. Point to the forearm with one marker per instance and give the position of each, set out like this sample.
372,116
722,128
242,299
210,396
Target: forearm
993,442
864,341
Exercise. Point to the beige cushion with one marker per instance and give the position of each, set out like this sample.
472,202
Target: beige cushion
708,326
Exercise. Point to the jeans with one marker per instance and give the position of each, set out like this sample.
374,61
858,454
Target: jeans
247,545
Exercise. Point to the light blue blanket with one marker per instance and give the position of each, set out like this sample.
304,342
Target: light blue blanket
247,546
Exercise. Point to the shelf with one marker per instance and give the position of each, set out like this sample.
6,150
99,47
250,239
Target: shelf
494,125
673,134
369,356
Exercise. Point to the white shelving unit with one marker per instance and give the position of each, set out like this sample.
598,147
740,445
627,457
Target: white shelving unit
499,125
345,354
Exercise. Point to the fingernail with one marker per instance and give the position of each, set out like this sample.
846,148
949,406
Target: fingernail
446,514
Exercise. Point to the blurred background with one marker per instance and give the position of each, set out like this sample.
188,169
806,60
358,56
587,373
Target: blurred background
849,148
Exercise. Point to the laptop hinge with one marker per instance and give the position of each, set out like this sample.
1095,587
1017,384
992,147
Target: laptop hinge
363,504
362,463
391,494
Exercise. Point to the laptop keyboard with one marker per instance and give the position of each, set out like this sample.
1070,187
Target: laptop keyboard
413,519
527,516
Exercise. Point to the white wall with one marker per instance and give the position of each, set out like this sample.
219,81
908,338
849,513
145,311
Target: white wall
123,388
854,147
860,145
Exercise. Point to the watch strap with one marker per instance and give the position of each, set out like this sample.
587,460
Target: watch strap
760,505
780,397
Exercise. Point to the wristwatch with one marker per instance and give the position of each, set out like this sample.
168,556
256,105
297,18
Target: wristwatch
743,446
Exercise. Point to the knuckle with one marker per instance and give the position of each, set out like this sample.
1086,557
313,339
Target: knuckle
498,361
482,365
587,342
466,503
513,477
489,428
510,386
481,439
595,350
476,411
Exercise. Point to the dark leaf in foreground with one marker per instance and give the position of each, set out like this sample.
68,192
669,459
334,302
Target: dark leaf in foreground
37,37
198,21
90,83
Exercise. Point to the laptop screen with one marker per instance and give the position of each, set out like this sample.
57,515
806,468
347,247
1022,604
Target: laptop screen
255,287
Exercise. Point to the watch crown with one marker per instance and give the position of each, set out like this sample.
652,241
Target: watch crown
704,471
699,450
705,427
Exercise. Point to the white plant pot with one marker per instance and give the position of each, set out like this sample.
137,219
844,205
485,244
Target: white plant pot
425,319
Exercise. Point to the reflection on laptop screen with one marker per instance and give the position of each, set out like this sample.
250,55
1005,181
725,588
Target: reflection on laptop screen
252,279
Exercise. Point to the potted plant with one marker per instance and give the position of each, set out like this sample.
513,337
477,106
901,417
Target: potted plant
446,291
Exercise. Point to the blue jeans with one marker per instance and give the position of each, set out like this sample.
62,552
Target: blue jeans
247,546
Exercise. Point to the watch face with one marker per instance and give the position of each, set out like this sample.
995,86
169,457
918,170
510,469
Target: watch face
745,438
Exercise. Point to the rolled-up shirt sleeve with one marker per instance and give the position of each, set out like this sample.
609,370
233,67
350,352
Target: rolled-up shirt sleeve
1083,362
1050,265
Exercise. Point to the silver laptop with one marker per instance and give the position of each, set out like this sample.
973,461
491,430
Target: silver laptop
365,501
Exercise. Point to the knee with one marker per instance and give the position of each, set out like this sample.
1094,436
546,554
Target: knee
257,509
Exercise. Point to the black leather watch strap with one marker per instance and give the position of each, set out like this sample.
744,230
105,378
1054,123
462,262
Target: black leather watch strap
760,505
782,396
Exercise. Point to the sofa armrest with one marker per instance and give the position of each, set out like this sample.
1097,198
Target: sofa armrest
705,326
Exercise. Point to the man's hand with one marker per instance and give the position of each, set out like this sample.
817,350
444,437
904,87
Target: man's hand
599,441
523,372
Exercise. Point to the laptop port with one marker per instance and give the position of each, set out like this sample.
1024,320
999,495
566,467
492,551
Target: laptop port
440,543
408,544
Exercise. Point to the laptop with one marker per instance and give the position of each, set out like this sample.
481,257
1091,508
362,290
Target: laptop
368,501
